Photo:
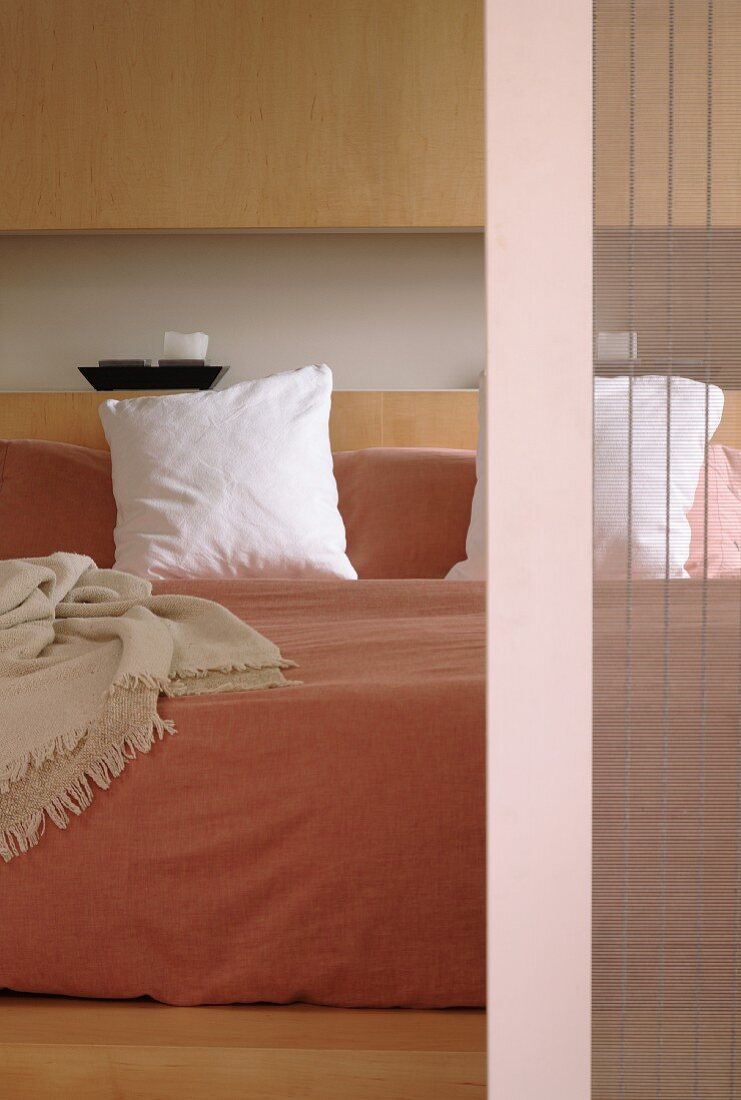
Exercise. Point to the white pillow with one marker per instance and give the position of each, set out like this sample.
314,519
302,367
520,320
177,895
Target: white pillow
232,483
474,566
686,453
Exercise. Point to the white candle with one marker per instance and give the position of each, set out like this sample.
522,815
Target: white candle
185,345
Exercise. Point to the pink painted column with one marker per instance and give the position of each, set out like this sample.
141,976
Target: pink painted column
539,230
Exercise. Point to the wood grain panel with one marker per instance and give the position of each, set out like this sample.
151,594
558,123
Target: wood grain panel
104,1050
611,112
372,418
729,430
726,157
356,420
652,97
425,418
229,114
690,138
433,418
148,1073
131,1023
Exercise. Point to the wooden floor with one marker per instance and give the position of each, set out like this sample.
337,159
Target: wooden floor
112,1050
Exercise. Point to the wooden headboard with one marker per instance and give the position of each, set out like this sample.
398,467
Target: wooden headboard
360,418
729,431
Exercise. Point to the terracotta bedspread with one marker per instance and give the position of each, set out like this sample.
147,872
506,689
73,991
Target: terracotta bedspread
322,844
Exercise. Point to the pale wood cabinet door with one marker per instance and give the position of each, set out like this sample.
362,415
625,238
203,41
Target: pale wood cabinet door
231,114
695,134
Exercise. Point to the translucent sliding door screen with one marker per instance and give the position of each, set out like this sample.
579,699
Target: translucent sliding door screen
667,550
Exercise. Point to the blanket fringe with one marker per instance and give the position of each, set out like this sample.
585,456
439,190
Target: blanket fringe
16,769
27,832
164,684
76,798
194,673
131,681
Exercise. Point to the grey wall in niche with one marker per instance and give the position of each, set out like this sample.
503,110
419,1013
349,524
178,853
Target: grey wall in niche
385,310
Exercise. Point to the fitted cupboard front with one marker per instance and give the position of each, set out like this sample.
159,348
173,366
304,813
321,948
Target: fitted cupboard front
240,114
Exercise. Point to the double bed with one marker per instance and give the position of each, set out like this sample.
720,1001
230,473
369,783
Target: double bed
324,844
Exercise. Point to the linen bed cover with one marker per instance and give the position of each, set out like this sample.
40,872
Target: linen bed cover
322,844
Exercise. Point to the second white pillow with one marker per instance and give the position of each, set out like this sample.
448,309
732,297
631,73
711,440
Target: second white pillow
232,483
644,535
473,567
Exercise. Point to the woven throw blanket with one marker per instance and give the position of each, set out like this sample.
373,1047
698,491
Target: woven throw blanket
84,655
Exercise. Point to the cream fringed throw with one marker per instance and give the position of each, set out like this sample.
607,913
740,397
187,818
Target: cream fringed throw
84,655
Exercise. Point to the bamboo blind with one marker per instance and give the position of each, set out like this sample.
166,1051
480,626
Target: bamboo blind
667,680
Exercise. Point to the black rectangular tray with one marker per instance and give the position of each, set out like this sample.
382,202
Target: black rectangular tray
153,378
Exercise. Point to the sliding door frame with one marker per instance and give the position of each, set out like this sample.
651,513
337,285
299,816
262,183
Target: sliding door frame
539,300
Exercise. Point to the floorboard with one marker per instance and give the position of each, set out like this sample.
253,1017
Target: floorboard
110,1050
